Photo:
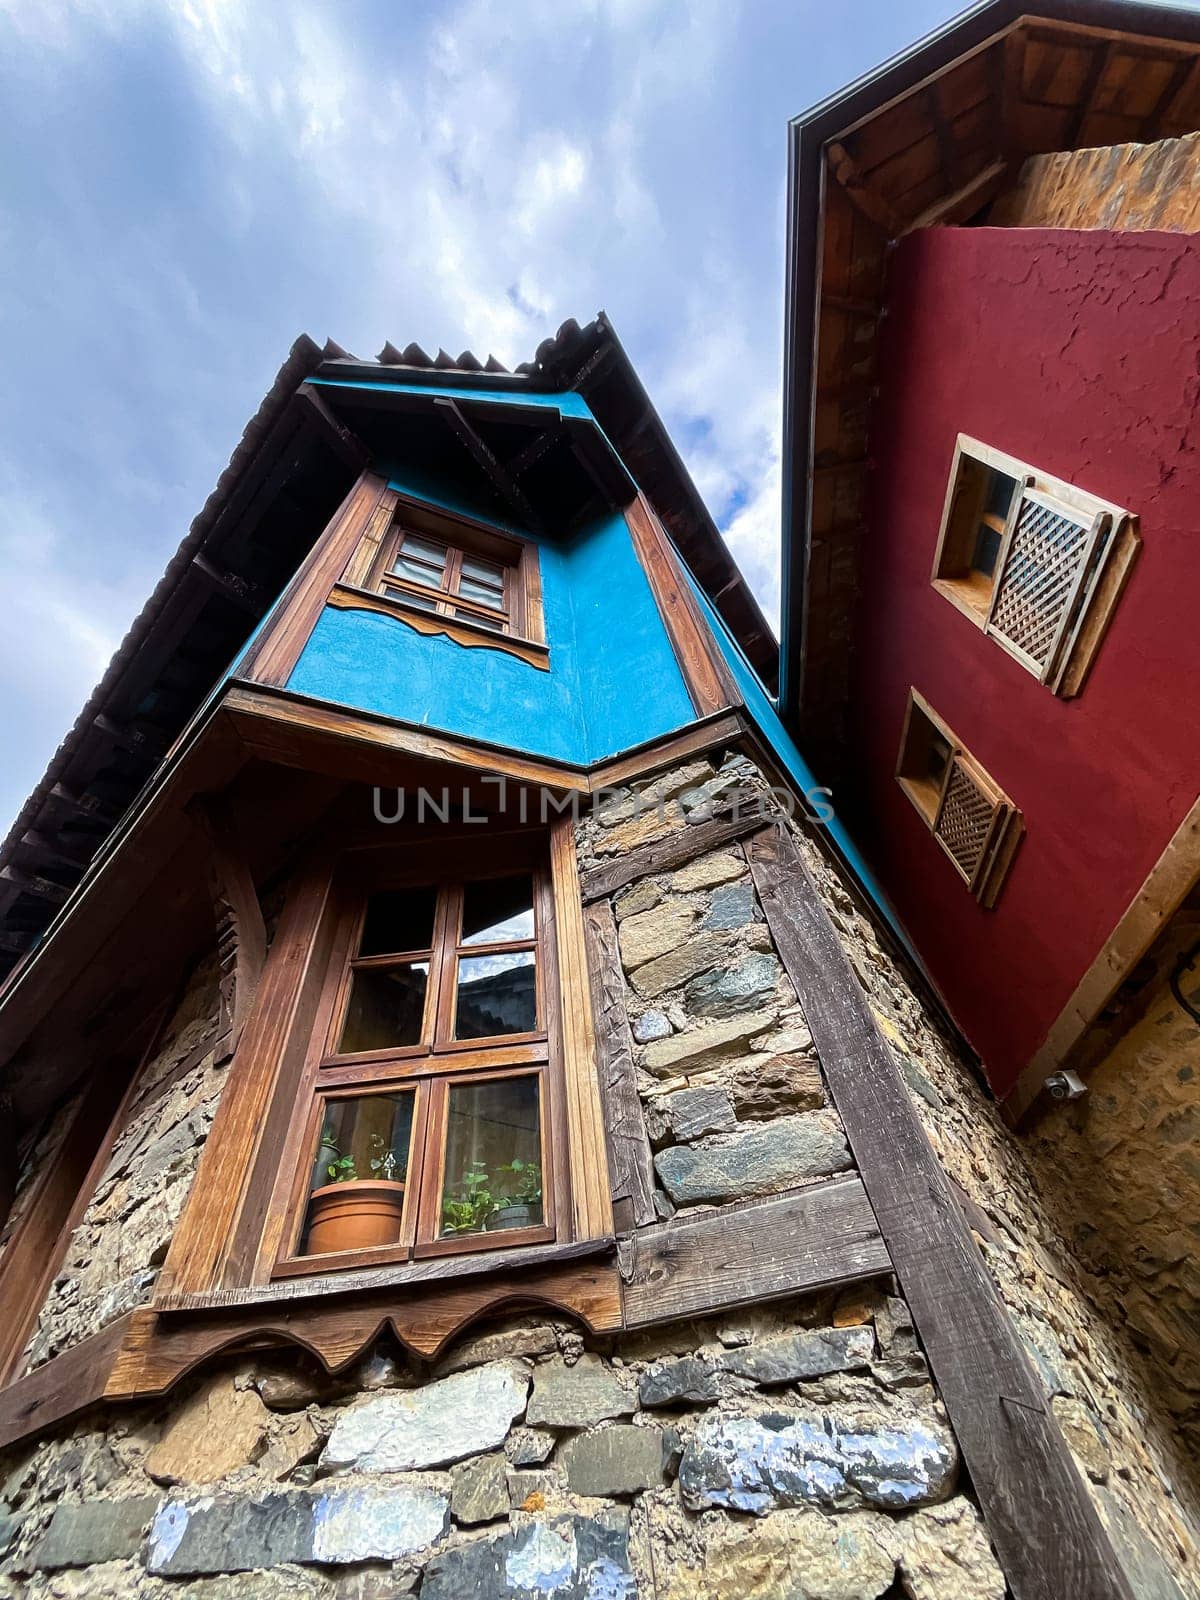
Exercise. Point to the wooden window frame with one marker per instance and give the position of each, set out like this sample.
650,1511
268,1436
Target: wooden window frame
428,1067
232,1242
367,582
1110,549
989,872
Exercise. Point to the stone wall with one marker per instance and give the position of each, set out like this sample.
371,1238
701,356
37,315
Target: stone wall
1124,1167
113,1257
1121,187
796,1449
1138,1470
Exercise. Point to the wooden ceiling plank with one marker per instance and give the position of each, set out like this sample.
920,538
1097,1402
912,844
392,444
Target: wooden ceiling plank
967,200
1180,86
1101,56
868,199
502,481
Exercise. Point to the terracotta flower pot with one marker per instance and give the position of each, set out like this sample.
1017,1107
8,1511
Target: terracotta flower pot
356,1215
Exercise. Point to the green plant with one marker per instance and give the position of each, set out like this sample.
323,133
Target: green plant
342,1170
525,1188
468,1210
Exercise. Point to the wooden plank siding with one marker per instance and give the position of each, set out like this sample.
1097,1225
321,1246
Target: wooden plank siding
1041,1519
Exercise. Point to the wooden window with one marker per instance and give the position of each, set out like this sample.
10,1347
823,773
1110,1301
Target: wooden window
970,816
453,576
1035,562
431,1087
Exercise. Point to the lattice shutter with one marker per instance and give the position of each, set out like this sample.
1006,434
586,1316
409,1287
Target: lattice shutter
968,815
1048,567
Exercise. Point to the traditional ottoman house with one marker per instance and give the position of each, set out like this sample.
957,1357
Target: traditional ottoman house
993,575
473,1130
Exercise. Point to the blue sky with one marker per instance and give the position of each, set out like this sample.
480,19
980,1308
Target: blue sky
187,186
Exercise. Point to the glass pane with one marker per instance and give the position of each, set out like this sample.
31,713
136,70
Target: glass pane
498,910
490,573
483,593
398,920
492,624
359,1174
386,1007
420,601
496,995
493,1158
404,567
420,549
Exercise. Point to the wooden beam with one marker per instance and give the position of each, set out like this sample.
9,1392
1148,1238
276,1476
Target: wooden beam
605,469
1041,1520
238,591
964,202
533,451
31,883
1181,86
874,206
272,656
810,1239
944,132
341,440
868,310
1097,66
63,1387
74,854
665,855
711,733
630,1161
709,682
485,458
1170,881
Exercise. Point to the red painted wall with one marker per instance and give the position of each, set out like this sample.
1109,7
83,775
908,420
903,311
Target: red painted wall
1079,353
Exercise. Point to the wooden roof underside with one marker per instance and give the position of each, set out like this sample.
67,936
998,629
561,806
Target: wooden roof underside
938,153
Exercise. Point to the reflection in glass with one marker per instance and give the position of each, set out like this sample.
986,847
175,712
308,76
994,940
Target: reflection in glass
498,911
493,1175
359,1174
497,994
422,560
492,624
480,571
482,593
397,921
386,1007
419,602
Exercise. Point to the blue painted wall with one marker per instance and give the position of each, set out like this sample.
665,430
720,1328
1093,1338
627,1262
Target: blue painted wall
613,680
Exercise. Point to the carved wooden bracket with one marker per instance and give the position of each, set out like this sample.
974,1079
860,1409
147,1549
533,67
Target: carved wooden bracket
241,931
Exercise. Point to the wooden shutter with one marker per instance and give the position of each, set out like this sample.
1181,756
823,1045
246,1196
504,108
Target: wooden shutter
1048,566
970,814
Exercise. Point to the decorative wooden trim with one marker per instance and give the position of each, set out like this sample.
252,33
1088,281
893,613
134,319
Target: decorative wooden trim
1046,1531
206,1238
459,629
281,726
820,1237
628,1146
144,1354
591,1190
241,931
708,680
1169,882
277,649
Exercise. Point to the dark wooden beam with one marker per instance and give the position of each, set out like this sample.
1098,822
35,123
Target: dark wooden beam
814,1238
944,132
597,460
965,202
630,1162
485,458
532,452
866,198
240,591
56,849
665,855
1039,1515
31,883
1097,66
341,440
241,932
1185,73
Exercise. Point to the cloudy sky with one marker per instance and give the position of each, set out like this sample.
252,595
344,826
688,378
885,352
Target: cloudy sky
186,185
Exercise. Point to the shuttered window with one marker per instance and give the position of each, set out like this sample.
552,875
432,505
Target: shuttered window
1037,563
968,814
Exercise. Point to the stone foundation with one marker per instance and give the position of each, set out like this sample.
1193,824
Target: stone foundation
795,1449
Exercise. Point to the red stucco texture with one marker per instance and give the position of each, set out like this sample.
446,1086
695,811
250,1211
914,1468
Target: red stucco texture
1078,352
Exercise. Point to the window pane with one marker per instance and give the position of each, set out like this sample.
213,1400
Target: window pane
498,910
496,995
429,551
359,1174
490,573
483,593
493,1158
420,601
405,567
386,1007
398,920
492,624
